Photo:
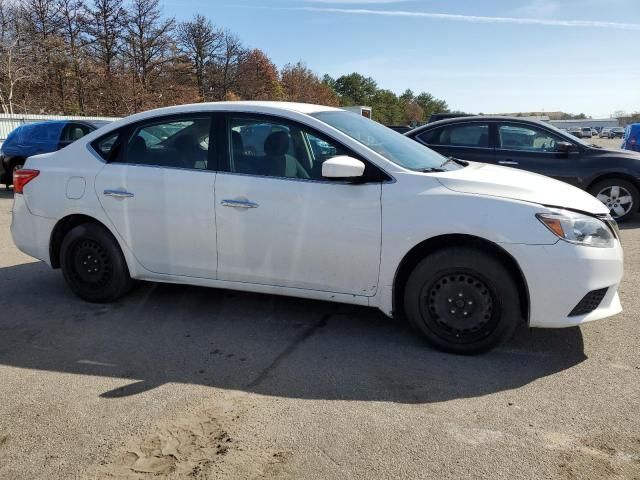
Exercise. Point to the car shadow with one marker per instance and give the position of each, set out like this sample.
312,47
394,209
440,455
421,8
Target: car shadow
6,192
265,344
633,222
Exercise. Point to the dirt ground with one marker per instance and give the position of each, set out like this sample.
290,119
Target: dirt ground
610,143
185,382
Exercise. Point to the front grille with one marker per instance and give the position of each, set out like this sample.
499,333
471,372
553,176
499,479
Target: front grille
589,303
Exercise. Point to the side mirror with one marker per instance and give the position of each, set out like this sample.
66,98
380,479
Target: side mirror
564,147
342,166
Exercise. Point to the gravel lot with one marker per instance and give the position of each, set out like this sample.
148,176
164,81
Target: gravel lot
216,384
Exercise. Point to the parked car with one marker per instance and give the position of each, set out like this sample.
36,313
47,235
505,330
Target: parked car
576,132
464,250
604,133
613,176
616,132
594,132
631,137
586,132
39,137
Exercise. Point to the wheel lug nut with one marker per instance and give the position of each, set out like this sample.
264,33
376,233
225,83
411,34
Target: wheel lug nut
460,294
450,300
453,311
470,302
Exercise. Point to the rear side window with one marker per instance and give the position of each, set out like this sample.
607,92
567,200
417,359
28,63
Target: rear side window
468,135
44,133
430,137
107,145
176,143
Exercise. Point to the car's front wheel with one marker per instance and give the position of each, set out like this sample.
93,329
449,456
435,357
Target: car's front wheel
93,264
620,196
462,300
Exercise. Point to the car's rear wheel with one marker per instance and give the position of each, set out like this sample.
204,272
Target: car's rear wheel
462,300
620,196
93,264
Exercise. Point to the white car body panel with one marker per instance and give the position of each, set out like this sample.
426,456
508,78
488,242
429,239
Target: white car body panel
278,242
328,241
171,242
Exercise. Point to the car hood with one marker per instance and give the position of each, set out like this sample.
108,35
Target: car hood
484,179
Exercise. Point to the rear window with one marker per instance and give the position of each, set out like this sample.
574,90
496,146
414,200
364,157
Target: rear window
107,145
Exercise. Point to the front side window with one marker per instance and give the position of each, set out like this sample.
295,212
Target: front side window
522,137
278,149
182,143
391,145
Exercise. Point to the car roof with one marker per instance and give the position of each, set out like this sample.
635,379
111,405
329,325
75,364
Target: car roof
245,107
241,106
474,118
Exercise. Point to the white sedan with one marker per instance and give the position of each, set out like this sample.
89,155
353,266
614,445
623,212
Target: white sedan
317,202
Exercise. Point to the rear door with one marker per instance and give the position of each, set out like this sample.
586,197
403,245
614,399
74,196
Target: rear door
158,192
533,148
468,141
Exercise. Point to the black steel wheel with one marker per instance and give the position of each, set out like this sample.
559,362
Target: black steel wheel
93,264
462,300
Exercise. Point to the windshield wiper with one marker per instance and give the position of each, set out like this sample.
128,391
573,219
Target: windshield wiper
455,160
431,170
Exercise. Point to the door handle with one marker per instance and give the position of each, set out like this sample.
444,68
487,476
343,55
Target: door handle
238,204
118,193
507,162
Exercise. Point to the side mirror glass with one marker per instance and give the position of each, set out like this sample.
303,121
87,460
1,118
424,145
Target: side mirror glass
342,166
564,147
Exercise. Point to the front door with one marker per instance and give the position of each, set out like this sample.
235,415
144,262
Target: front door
158,193
535,149
279,222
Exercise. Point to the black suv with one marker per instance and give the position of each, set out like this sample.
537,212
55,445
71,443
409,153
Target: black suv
613,176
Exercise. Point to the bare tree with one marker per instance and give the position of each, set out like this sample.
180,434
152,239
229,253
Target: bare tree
105,23
224,71
14,69
73,24
149,43
201,43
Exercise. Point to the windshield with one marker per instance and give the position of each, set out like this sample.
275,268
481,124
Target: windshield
393,146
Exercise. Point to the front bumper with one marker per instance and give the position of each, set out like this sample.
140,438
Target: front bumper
560,275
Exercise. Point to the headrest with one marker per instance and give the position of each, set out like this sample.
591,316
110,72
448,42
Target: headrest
277,143
236,143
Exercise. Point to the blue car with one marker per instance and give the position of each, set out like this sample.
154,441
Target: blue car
40,137
631,139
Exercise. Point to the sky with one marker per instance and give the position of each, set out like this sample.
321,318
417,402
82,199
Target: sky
489,56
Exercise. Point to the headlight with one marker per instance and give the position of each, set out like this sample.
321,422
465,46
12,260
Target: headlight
577,228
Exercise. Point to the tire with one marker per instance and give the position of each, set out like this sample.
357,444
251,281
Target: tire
619,195
462,300
92,247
